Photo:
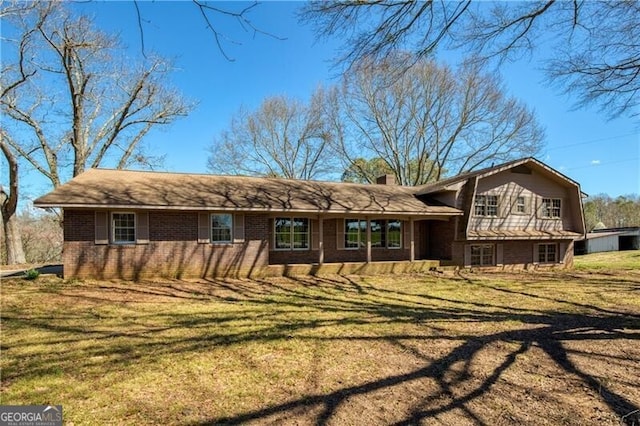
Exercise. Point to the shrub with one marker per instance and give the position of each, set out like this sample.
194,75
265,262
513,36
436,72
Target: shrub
31,274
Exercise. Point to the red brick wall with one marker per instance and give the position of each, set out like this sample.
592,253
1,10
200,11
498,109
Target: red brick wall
519,254
441,236
172,251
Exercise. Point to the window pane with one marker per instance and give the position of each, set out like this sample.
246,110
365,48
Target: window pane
487,255
351,233
394,233
492,205
363,233
546,207
480,201
520,207
282,233
124,227
300,233
476,255
555,212
377,233
221,225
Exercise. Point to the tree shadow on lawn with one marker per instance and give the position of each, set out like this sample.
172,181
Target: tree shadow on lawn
349,303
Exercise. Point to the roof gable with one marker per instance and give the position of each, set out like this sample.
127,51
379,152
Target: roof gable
524,165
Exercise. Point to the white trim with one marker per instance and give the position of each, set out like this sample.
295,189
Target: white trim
112,229
292,248
542,208
546,262
481,264
226,242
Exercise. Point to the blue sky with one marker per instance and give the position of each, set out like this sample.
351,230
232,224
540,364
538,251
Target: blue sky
603,156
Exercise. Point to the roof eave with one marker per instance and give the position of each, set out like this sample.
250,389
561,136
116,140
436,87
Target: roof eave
451,212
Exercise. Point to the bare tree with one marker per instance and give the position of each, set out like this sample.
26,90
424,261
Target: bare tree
283,137
428,120
212,15
80,102
8,207
42,236
362,170
595,45
13,76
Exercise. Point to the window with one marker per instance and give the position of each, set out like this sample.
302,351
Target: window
384,233
520,205
355,233
486,205
482,255
378,234
123,226
551,208
547,253
300,234
291,233
221,228
394,234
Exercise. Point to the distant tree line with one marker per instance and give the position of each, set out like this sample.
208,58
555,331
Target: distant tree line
602,211
41,237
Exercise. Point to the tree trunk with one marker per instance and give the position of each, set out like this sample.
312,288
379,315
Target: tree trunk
8,207
13,240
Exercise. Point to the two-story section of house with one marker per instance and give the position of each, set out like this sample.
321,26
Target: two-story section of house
520,214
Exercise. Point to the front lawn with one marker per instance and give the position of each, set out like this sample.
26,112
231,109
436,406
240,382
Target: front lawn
610,260
526,348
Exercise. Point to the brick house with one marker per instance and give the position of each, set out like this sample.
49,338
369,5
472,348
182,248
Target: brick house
129,224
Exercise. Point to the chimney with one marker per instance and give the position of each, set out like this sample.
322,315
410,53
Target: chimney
386,180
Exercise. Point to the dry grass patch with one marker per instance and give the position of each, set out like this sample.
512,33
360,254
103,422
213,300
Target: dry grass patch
490,349
614,261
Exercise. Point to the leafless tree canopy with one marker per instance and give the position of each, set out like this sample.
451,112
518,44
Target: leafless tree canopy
211,13
284,137
428,120
594,45
72,99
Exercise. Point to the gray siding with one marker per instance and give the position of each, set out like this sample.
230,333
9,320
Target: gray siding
533,187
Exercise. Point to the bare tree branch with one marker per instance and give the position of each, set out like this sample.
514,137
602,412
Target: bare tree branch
428,121
284,137
589,59
74,100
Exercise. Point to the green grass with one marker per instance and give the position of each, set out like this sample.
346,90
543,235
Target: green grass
553,348
612,260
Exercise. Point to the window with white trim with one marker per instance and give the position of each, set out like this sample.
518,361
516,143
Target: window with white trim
521,206
291,233
123,228
547,253
221,228
482,255
385,233
551,208
355,233
486,205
